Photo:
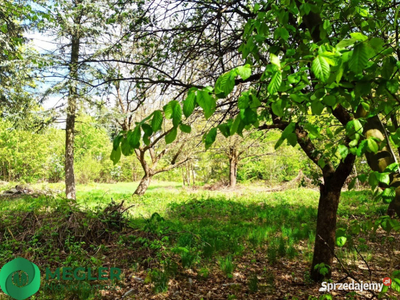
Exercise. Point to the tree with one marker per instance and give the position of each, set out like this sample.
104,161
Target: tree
239,148
303,59
14,98
75,23
127,142
150,155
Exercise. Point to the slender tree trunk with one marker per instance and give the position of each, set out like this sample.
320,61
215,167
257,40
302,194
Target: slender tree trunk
193,175
183,176
70,123
187,173
143,185
233,166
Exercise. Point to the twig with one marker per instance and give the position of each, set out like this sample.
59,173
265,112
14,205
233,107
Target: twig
345,269
362,257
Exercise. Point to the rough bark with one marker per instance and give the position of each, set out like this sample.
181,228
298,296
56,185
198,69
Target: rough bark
326,230
334,180
143,185
327,214
70,190
233,166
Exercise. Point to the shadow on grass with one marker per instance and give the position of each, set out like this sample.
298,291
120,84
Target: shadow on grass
220,226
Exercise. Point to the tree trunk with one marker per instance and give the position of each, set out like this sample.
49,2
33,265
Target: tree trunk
143,185
183,176
233,166
327,212
70,191
193,175
326,230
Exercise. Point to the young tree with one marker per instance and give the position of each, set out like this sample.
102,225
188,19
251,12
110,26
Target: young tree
75,24
15,71
238,148
151,155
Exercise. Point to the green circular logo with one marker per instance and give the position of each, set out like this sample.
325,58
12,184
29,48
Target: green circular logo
20,278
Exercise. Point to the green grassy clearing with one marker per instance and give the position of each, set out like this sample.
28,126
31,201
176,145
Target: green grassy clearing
170,231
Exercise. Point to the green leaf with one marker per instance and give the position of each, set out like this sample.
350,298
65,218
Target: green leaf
185,128
376,44
372,146
359,59
392,86
331,58
321,68
116,141
157,120
206,102
255,103
176,114
168,110
396,285
363,12
321,163
352,184
394,167
275,83
312,129
235,125
289,129
339,73
249,116
388,195
388,66
353,143
279,143
224,128
317,107
329,100
134,137
224,85
296,98
210,137
244,71
275,60
171,136
277,108
354,129
358,36
115,155
243,101
326,24
292,139
341,241
383,177
147,129
189,104
345,43
281,32
343,151
126,149
373,180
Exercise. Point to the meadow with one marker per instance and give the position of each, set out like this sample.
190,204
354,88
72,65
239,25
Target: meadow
191,243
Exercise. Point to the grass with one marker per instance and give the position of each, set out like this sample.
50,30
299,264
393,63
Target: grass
171,230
